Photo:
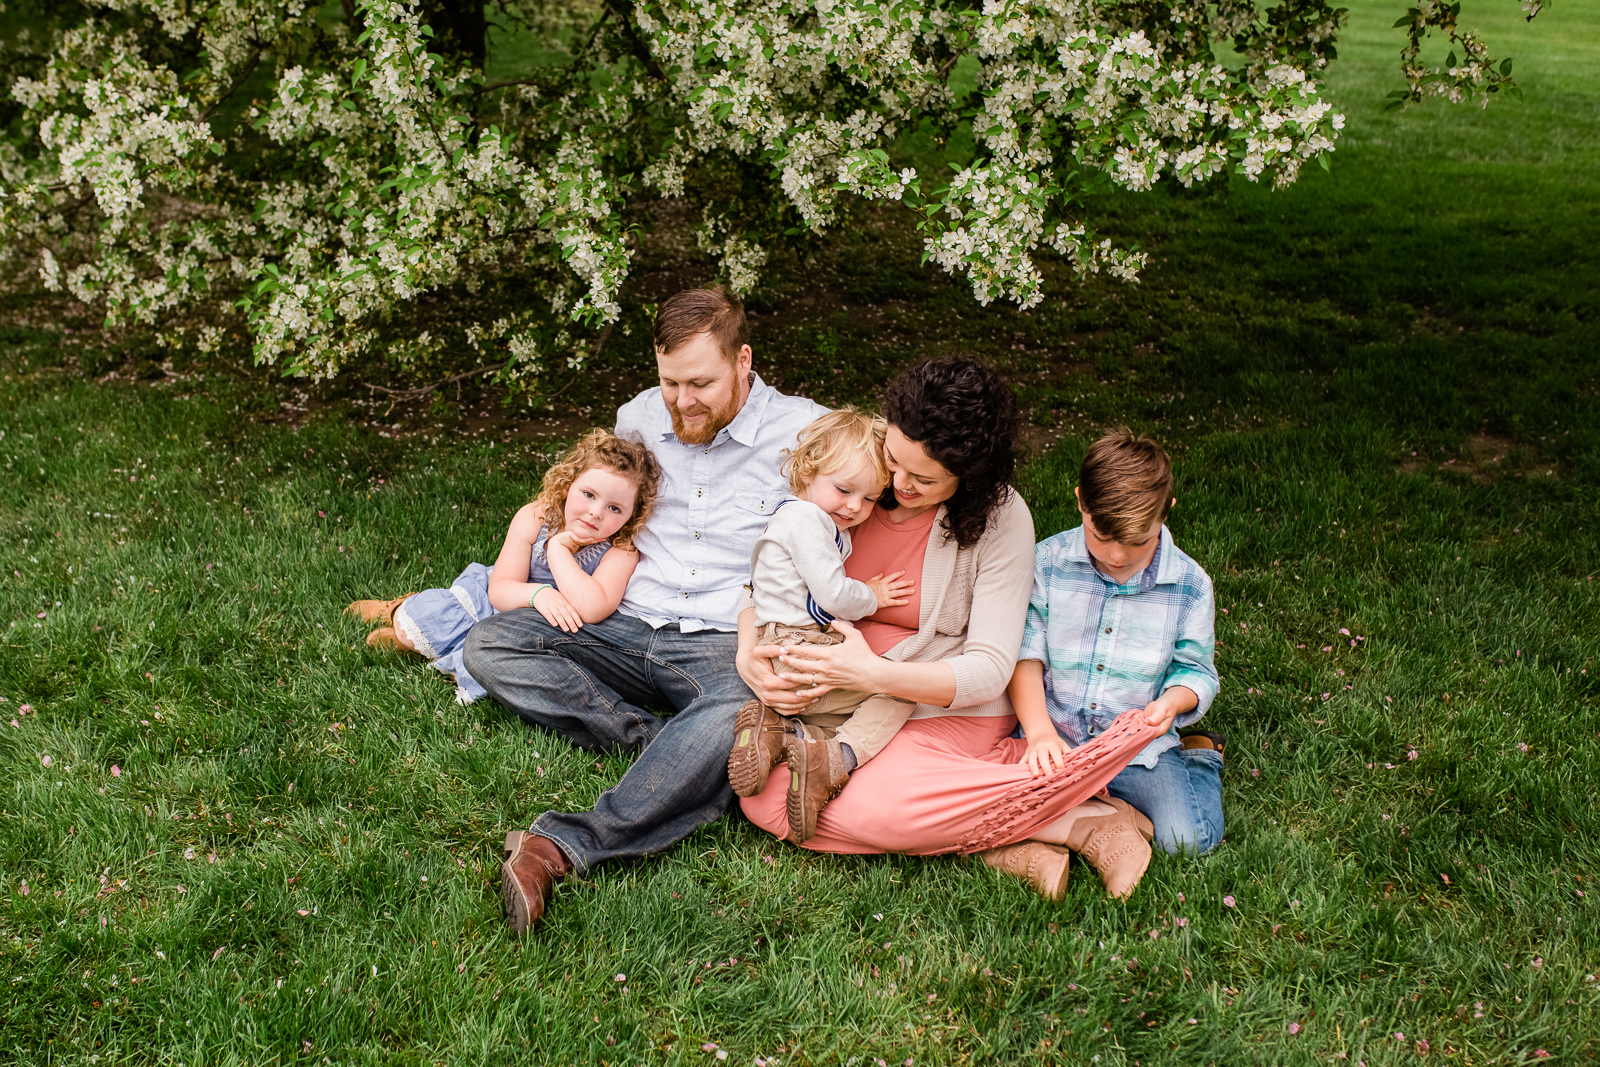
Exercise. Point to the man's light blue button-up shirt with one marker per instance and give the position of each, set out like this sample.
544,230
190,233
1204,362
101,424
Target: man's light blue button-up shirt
714,502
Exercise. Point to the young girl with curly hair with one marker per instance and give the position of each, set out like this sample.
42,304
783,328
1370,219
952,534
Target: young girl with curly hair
568,554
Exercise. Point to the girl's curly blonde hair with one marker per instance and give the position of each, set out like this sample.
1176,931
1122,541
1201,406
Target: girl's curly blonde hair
832,443
602,448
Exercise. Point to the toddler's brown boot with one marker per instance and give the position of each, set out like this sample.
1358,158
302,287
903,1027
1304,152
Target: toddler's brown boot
817,774
757,748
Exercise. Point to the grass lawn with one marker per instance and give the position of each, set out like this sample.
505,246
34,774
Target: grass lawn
229,833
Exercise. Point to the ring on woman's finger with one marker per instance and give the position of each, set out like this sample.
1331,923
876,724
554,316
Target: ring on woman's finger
813,679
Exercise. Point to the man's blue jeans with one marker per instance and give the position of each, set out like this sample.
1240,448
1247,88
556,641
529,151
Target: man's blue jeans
590,687
1181,795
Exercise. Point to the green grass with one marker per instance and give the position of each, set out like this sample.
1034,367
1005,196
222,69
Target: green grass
1380,388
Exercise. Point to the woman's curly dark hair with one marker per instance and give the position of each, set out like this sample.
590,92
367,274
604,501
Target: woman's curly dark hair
964,416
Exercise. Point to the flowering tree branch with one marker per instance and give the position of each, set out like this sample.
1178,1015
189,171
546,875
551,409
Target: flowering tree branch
381,166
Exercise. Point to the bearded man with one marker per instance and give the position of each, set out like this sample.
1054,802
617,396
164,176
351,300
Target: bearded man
719,434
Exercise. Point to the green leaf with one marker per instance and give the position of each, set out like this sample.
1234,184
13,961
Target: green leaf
1505,68
1323,160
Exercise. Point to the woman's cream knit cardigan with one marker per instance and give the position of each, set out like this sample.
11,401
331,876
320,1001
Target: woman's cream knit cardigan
974,606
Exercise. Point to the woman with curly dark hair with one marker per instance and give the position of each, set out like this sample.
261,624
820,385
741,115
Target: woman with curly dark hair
952,780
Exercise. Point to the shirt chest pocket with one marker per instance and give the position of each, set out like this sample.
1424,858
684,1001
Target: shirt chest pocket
757,503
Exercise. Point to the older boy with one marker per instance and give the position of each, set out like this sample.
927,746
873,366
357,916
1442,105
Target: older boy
1121,618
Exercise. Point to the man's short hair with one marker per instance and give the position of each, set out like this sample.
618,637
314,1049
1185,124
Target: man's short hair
1125,484
686,315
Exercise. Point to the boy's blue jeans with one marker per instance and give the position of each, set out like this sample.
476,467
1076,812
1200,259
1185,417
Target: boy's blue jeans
1181,795
590,687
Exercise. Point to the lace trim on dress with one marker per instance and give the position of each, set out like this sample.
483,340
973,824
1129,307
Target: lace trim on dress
465,601
404,623
1089,769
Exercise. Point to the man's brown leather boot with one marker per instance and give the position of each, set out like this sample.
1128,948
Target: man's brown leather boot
528,878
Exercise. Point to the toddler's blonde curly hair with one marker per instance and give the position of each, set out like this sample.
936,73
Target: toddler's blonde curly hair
836,441
602,448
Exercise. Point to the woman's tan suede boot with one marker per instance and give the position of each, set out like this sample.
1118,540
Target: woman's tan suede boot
1040,865
370,611
1116,843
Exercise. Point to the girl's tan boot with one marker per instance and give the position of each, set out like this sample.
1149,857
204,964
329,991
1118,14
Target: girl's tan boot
370,611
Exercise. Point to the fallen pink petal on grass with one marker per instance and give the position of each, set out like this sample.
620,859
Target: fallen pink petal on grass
303,911
1228,901
116,772
1294,1028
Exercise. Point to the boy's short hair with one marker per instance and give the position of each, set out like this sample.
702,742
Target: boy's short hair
685,315
833,442
1125,484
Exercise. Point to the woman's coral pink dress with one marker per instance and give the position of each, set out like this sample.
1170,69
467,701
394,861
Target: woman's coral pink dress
948,784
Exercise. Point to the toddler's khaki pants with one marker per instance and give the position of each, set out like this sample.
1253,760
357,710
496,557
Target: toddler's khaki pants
864,721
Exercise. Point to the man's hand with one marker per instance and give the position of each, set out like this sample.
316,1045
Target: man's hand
1046,754
891,590
769,688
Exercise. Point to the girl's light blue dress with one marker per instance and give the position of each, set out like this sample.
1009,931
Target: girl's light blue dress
437,620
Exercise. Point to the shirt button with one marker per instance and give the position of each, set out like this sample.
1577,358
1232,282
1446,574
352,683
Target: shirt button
1100,666
699,492
693,571
1108,629
697,535
686,596
1093,706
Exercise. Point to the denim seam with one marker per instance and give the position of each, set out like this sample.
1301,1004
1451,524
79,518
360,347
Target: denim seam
571,853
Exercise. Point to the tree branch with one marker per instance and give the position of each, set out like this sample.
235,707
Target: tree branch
641,49
421,391
238,80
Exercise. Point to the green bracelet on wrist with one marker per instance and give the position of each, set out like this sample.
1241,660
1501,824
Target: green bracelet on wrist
541,587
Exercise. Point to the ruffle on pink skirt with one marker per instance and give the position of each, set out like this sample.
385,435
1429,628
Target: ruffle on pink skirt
954,784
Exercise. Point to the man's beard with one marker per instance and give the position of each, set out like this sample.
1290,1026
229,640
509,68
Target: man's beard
713,425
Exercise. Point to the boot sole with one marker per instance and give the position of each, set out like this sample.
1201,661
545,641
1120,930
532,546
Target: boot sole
794,802
514,904
747,771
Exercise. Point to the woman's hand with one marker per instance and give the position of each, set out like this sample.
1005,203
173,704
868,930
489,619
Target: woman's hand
557,610
1046,754
892,589
817,669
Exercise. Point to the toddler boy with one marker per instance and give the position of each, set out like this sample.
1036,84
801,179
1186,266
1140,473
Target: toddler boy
798,586
1121,618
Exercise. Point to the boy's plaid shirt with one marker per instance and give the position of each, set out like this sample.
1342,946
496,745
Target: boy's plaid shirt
1107,648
